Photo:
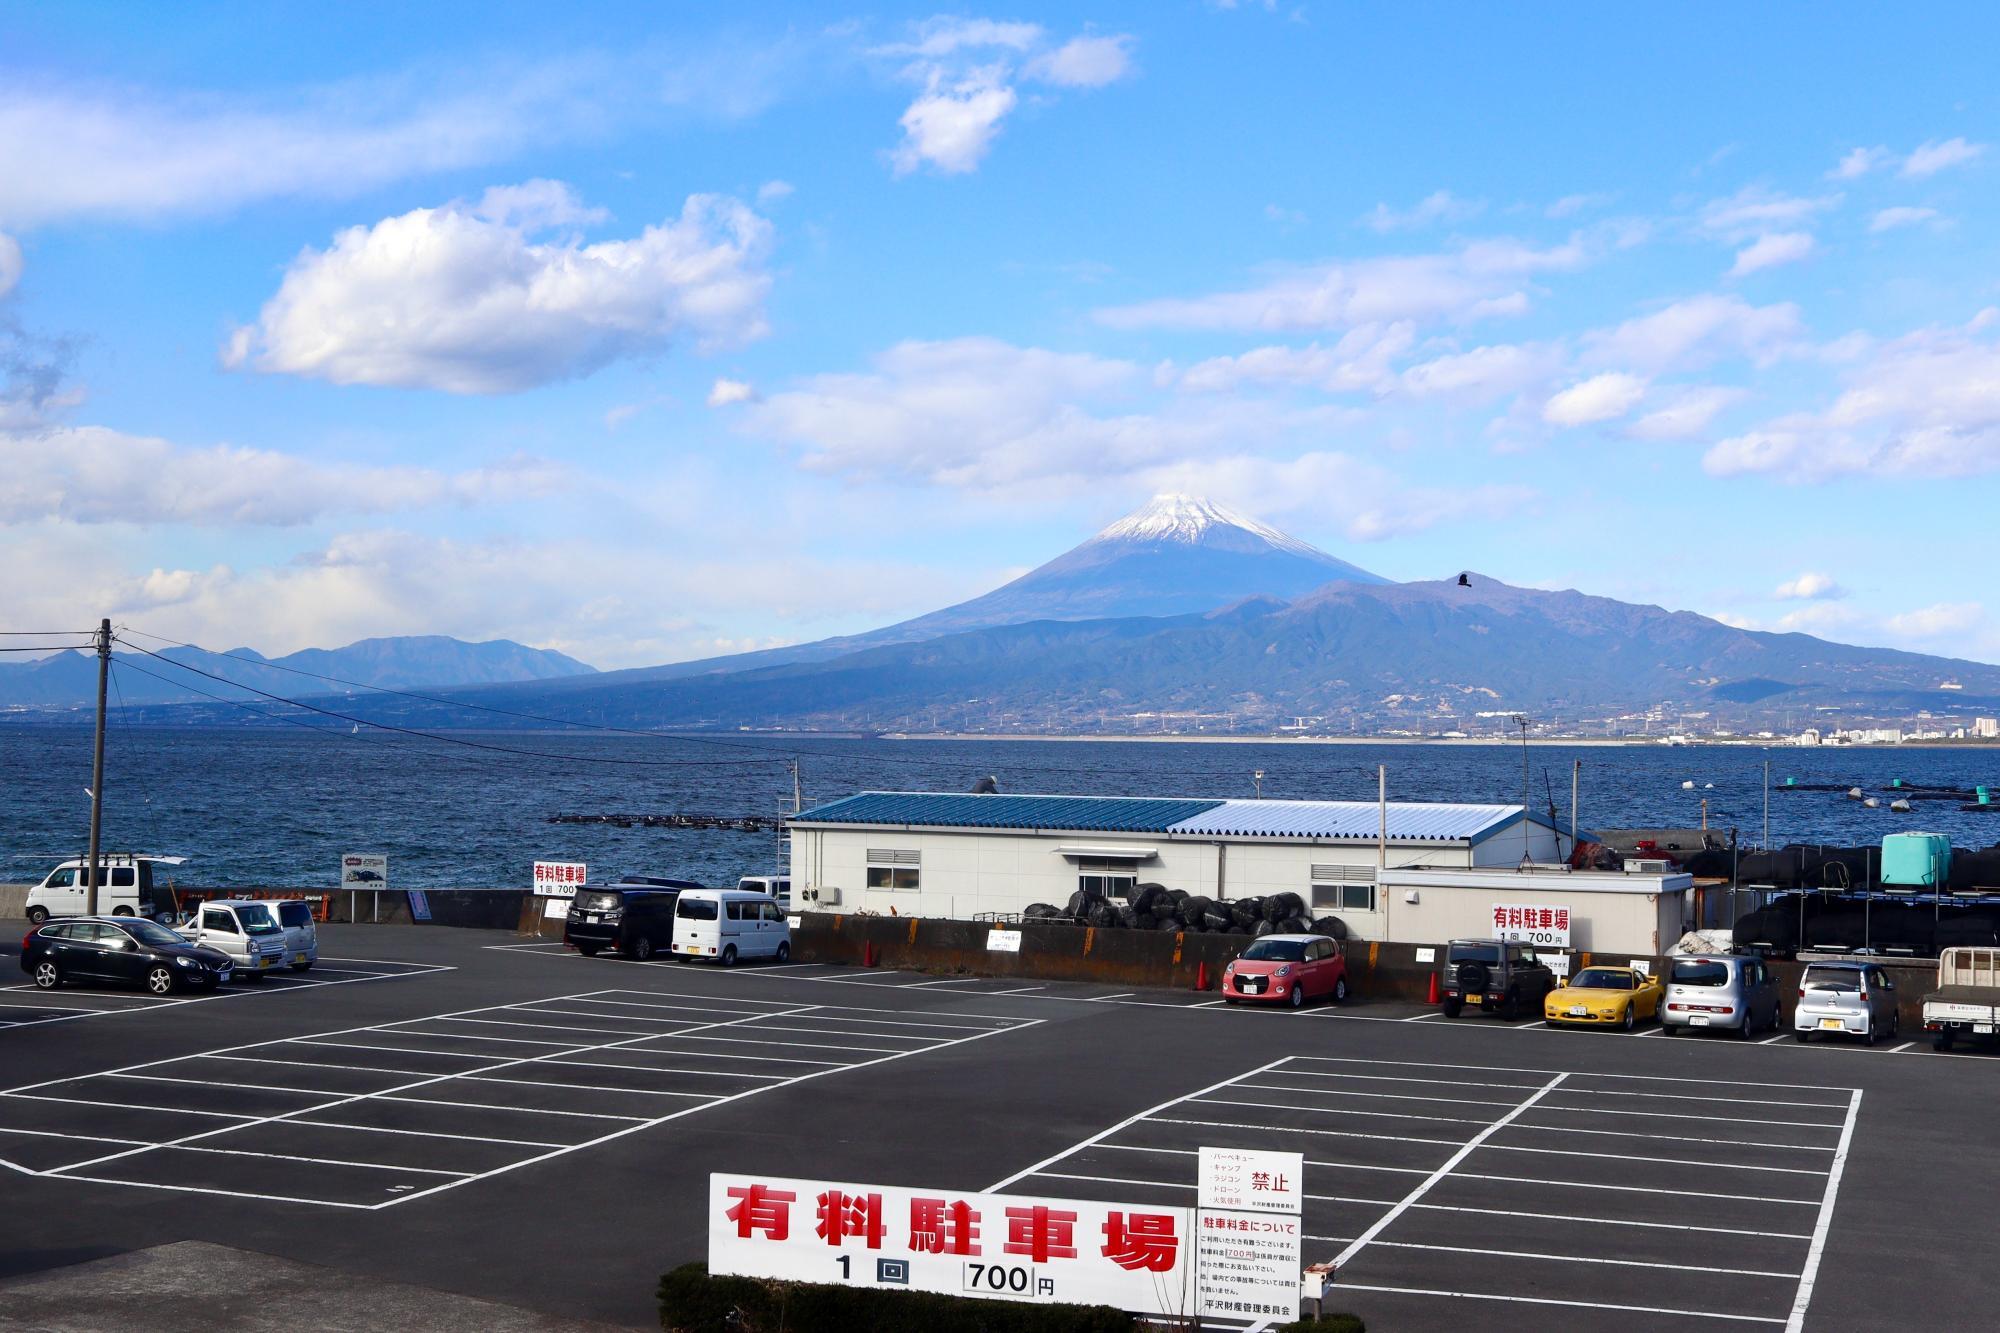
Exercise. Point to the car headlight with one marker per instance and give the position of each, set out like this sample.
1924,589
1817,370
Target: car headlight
182,960
1285,971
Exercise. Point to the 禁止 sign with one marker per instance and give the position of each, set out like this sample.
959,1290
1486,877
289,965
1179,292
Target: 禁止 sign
999,1246
364,870
1248,1229
1240,1180
1522,924
558,879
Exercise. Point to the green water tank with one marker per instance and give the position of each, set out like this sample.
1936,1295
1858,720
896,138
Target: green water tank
1985,796
1916,860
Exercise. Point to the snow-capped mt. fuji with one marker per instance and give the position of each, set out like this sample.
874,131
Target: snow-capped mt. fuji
1176,555
1192,520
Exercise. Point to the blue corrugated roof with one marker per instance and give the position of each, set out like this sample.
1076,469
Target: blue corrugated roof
1408,821
1360,820
1081,814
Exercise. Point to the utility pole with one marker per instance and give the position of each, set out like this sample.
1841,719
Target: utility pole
1527,832
94,871
1382,813
1575,780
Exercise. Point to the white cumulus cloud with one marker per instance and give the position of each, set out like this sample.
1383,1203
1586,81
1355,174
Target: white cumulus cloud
1784,247
1756,211
953,124
1859,162
1084,62
1941,155
473,299
725,392
1686,413
1810,586
1691,333
1599,398
1888,219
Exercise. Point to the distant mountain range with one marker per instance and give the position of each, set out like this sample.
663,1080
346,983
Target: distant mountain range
427,661
1185,617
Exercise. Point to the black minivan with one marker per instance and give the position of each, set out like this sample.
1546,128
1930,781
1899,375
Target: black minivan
635,916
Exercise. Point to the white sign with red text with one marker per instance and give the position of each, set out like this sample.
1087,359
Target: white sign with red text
1243,1180
998,1246
1248,1230
558,879
1547,927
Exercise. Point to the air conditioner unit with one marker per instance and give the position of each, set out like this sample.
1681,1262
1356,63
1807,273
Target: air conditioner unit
1639,867
825,896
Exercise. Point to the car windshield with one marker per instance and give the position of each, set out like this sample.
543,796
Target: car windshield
1475,953
1832,978
695,909
1276,951
146,932
598,902
1700,974
1603,978
257,919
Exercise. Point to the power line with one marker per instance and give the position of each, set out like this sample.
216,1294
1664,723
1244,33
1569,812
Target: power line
38,633
453,740
47,648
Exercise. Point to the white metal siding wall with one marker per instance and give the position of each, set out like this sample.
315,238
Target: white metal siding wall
1629,923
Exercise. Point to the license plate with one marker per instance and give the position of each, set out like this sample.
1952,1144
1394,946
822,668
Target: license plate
1253,986
1578,1011
1698,1021
264,960
1833,1024
1982,1027
1475,999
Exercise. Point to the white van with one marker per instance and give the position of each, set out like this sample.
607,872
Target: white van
124,888
778,886
725,925
247,931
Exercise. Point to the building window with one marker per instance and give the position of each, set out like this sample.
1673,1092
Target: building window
892,869
1108,878
1343,888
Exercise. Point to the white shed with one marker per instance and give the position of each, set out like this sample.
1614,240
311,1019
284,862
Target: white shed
1640,913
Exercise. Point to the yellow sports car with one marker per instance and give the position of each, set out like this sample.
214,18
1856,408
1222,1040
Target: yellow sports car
1604,997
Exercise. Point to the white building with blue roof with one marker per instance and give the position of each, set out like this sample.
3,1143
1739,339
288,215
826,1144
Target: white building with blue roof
956,855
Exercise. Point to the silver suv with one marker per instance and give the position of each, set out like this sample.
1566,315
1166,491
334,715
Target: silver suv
1846,999
1730,991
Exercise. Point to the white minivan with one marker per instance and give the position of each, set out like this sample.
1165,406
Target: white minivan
124,888
247,931
726,925
778,886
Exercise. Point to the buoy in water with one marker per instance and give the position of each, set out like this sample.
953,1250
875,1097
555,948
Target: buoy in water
1901,807
1854,793
1872,803
1708,786
1688,785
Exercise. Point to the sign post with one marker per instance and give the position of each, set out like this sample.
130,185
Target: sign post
364,870
1249,1224
556,883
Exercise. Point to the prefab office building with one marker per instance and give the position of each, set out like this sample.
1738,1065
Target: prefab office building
951,855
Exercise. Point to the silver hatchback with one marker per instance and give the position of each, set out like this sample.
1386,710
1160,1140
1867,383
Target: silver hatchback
1846,999
1728,992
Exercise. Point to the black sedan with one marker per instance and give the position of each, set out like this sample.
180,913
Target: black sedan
120,949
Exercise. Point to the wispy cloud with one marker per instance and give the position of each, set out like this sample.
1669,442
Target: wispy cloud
1941,155
1785,247
1440,207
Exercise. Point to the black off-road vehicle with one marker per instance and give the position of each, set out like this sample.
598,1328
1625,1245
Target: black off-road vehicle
1493,974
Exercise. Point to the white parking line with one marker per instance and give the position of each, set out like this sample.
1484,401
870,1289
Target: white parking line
1679,1266
1825,1219
1550,1300
149,1003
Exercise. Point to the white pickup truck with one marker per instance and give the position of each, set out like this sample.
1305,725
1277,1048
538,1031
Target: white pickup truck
1967,1000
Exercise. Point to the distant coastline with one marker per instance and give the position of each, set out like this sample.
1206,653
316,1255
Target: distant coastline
1590,742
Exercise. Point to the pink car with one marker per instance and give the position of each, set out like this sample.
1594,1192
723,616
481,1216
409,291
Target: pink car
1287,969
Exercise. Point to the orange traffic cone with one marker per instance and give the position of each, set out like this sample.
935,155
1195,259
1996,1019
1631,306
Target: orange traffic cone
1201,976
1433,999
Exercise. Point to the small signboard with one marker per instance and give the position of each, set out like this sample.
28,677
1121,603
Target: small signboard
1544,927
420,905
997,1246
1249,1224
1003,941
1557,963
364,870
558,879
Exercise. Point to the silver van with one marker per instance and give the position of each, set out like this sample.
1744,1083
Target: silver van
1732,992
1846,999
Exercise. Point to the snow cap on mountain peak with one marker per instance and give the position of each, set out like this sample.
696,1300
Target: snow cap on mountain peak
1188,519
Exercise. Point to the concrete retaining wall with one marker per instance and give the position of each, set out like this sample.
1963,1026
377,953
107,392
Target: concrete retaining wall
1173,959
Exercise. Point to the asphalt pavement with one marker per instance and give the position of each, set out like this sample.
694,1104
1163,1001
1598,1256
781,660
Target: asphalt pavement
507,1121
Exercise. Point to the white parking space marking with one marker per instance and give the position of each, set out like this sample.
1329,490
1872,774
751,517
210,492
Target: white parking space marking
74,1001
1460,1207
537,1081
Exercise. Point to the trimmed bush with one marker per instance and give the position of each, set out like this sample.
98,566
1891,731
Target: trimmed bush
693,1302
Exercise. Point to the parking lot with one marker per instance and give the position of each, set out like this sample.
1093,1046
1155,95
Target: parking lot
21,1004
525,1125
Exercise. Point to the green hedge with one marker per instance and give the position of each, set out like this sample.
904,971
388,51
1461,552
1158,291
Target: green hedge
693,1302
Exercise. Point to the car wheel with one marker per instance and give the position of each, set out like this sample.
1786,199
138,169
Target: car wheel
37,915
1749,1028
257,977
1510,1005
1802,1036
1452,1008
1942,1042
783,955
1297,996
641,949
303,965
47,975
1669,1030
728,958
587,950
1340,991
1895,1025
121,911
1631,1020
160,980
1868,1037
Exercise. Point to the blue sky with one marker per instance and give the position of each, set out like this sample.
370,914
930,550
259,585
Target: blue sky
650,332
